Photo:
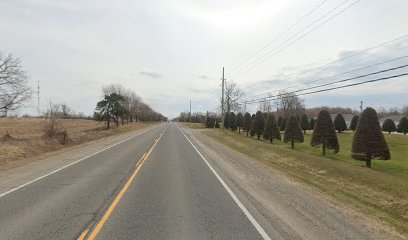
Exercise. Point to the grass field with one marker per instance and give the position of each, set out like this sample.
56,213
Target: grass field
380,192
28,137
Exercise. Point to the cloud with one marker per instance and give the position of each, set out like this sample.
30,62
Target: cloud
204,77
150,73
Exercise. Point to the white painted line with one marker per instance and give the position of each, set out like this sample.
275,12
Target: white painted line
77,161
258,227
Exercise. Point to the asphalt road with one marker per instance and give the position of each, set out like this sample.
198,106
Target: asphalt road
153,186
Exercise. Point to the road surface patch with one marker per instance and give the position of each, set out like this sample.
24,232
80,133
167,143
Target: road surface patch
115,202
258,227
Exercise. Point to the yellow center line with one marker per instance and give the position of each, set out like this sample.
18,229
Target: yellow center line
83,234
115,202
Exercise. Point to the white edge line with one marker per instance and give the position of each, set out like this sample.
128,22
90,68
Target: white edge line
258,227
77,161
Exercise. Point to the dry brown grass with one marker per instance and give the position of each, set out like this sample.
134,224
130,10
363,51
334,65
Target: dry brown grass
21,138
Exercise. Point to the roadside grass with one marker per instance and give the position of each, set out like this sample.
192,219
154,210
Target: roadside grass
194,125
380,192
27,137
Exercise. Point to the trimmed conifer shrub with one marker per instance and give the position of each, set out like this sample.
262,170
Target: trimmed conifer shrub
247,123
353,123
339,123
240,121
232,121
312,123
252,131
304,123
271,129
210,122
403,125
324,133
283,124
258,124
293,132
368,141
226,120
389,126
280,119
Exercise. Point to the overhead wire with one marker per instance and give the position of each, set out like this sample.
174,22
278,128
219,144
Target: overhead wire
276,50
328,77
278,36
324,66
339,87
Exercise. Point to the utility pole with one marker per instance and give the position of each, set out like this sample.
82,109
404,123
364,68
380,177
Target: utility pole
190,111
361,106
222,98
38,98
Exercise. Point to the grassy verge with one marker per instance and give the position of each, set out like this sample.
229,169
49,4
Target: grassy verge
380,192
194,125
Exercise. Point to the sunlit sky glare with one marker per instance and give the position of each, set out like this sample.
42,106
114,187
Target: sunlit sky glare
171,52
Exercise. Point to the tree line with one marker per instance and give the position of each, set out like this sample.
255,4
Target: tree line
122,105
368,141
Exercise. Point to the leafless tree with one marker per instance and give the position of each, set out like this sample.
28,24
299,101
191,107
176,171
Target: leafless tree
232,96
265,105
66,111
51,119
404,110
290,104
14,91
134,102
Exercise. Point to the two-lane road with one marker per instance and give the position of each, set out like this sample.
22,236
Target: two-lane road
153,186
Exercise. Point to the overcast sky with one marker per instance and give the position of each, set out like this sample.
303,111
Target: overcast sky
169,52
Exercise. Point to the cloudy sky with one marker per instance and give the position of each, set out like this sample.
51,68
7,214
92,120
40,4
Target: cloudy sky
172,51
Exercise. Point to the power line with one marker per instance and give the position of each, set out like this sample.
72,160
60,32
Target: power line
336,75
324,66
351,56
334,88
340,81
276,50
278,36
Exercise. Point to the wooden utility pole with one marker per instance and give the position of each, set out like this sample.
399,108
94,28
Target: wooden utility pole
38,98
190,111
222,98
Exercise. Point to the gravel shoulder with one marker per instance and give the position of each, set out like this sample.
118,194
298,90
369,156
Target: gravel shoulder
288,209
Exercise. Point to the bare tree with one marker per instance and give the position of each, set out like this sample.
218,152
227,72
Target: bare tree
232,96
66,111
265,105
134,106
51,119
14,91
290,104
404,110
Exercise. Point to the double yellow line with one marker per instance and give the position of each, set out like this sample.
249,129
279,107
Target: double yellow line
115,202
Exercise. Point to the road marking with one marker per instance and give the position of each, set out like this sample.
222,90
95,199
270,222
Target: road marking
115,202
258,227
62,168
83,234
